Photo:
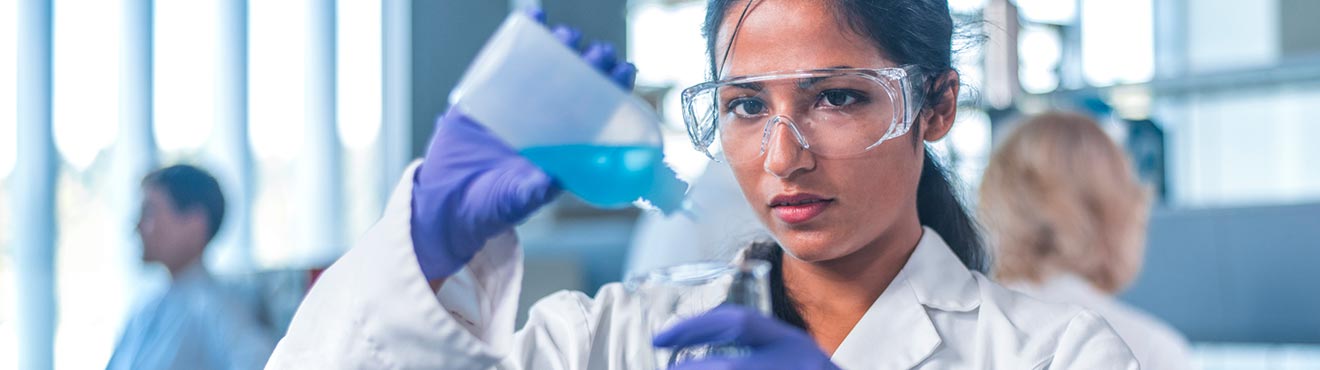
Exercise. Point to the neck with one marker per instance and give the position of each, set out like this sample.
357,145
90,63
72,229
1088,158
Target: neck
177,269
834,295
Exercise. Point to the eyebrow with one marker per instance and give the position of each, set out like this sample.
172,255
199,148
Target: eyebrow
754,86
805,83
802,83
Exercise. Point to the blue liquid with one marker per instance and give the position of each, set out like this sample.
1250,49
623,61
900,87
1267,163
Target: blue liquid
604,176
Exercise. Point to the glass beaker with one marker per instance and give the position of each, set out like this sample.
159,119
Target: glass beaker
597,139
671,294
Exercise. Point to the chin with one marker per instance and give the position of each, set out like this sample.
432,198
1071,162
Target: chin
808,246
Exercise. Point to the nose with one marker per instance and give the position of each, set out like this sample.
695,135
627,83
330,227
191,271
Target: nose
786,149
143,225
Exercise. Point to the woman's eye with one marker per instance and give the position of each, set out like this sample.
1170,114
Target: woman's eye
747,107
838,98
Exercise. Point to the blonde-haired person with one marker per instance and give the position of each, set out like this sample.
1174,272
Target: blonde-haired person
1067,217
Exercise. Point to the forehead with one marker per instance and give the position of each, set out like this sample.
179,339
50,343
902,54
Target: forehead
153,195
785,35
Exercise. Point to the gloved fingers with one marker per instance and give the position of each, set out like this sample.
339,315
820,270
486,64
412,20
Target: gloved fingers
752,362
711,363
534,190
570,36
528,188
536,13
756,361
725,324
604,57
625,74
711,327
601,55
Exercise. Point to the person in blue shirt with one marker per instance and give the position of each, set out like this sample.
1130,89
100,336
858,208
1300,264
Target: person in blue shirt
194,324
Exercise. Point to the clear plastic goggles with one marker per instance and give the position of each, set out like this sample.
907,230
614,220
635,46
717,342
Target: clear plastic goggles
833,112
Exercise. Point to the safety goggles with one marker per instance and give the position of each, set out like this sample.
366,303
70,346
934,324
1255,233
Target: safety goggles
832,112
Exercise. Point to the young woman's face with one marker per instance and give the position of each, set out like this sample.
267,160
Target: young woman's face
861,200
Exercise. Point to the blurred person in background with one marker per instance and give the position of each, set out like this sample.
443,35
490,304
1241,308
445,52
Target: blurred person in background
1067,217
194,324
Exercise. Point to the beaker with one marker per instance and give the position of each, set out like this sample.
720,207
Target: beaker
597,139
671,294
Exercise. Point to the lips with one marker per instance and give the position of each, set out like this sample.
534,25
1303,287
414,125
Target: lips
799,208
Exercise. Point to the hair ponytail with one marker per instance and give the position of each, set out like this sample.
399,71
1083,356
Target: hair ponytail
782,304
939,208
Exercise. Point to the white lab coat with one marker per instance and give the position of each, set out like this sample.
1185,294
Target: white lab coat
1155,344
194,325
373,309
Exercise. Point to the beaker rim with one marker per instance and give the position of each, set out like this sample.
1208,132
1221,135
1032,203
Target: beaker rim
697,273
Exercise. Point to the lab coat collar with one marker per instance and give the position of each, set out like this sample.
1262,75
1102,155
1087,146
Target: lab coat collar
193,276
896,332
939,278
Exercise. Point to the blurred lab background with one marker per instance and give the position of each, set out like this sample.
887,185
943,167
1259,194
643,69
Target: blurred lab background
307,111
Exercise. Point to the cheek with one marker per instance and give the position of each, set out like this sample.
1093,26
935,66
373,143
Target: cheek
749,176
162,230
878,191
885,179
873,192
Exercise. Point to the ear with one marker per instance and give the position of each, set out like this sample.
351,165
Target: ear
195,220
939,118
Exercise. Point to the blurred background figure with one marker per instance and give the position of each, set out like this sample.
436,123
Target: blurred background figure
1066,218
195,324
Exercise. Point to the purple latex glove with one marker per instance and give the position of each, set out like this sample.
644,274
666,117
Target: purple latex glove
471,186
772,344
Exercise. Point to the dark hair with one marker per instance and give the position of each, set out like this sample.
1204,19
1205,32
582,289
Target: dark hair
916,32
191,188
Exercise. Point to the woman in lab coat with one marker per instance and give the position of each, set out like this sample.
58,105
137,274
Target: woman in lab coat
1067,217
876,263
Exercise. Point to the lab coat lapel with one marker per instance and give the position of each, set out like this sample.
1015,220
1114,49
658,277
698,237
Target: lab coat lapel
897,331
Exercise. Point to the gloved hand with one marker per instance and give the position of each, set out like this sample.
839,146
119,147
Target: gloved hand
772,344
472,186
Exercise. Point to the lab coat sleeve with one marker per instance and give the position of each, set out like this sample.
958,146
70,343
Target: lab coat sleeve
569,330
1088,342
373,308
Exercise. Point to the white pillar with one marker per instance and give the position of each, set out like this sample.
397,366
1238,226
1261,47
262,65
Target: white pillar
232,153
322,172
34,189
396,108
1002,86
134,152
